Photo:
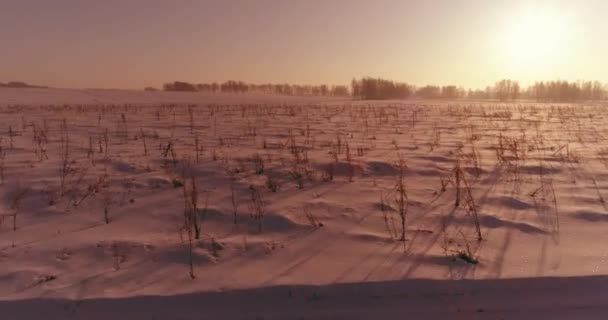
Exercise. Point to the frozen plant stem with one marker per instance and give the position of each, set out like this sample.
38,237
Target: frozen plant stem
143,139
257,206
234,203
16,204
402,200
65,156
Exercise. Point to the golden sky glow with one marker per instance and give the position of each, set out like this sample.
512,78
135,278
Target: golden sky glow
131,43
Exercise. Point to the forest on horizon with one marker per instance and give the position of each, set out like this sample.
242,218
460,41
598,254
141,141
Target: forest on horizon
369,88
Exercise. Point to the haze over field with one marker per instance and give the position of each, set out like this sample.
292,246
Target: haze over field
303,159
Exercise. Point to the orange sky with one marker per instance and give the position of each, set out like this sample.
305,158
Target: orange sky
132,43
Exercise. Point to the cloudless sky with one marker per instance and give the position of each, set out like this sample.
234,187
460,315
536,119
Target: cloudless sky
136,43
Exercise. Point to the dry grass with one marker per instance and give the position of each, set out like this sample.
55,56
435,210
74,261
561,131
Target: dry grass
294,150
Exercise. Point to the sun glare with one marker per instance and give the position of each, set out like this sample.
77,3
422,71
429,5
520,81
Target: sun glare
534,39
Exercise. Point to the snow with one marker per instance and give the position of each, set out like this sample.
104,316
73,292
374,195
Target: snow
540,205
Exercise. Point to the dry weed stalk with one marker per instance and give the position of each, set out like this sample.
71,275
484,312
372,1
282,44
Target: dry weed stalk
233,201
312,220
349,163
103,142
40,141
401,197
196,148
93,188
467,254
16,203
257,206
271,184
91,151
328,172
360,151
123,128
469,202
335,151
66,165
107,203
191,116
296,174
190,227
457,179
191,194
258,164
471,208
11,137
436,137
389,221
143,140
169,150
599,194
3,153
187,229
546,192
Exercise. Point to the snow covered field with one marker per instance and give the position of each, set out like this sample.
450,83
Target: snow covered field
98,219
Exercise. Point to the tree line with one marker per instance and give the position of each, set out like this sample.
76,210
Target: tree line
376,88
232,86
567,91
503,90
18,84
369,88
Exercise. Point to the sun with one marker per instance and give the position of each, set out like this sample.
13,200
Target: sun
534,39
